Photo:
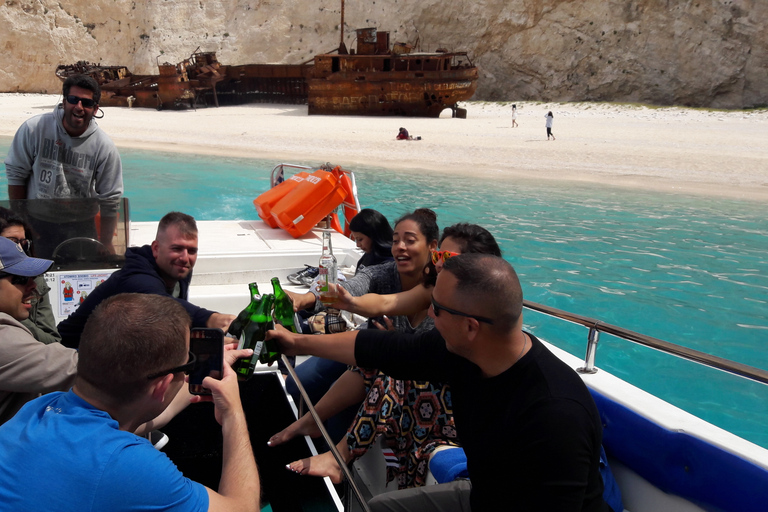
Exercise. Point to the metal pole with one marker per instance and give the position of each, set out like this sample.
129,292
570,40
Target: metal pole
331,445
589,359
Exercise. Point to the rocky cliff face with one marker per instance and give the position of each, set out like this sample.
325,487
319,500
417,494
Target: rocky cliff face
688,52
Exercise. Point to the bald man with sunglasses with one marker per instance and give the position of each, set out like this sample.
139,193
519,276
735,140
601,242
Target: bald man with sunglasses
64,154
529,427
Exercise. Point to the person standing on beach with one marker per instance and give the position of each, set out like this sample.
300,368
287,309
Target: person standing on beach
514,116
550,119
64,154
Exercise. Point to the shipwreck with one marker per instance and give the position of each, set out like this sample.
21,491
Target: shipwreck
374,79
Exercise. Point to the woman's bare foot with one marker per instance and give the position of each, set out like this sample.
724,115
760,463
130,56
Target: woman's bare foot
319,465
301,427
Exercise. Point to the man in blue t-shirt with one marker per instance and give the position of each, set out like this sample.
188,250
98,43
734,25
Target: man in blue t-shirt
77,451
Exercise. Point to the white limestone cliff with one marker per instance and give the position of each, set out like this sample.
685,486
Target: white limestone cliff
687,52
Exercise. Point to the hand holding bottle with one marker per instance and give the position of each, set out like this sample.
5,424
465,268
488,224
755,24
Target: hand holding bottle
220,320
344,299
328,271
301,300
286,339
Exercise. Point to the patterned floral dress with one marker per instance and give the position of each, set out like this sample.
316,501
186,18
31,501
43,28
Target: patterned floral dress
413,416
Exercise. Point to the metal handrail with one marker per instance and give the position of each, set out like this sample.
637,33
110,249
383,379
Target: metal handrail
696,356
279,169
327,438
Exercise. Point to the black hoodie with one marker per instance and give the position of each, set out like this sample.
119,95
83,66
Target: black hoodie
140,274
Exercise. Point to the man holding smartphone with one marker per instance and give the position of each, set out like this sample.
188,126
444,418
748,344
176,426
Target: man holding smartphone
132,360
162,268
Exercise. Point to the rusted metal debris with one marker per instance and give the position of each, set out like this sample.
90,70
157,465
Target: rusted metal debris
374,80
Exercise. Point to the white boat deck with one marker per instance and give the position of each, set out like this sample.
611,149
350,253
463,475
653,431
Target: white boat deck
235,253
232,254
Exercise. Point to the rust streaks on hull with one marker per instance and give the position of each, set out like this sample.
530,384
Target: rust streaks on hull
374,80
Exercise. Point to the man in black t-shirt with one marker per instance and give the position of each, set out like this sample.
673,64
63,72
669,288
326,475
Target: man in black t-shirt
527,422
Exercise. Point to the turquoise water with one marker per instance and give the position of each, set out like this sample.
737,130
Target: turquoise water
688,270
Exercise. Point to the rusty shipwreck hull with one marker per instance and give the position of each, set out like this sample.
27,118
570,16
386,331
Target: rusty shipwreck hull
198,81
379,79
411,94
373,79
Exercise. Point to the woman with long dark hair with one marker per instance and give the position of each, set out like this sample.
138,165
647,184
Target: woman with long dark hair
373,235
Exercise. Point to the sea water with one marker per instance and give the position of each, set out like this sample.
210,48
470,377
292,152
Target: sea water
688,270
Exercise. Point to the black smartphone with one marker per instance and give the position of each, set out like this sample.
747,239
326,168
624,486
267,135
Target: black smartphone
208,346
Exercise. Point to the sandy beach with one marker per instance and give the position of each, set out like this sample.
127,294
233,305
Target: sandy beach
678,150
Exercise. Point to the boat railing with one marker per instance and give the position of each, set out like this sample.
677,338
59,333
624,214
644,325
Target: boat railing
278,173
596,327
351,484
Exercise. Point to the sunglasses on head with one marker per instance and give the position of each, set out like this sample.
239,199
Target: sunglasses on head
186,367
24,243
74,100
438,308
18,280
444,255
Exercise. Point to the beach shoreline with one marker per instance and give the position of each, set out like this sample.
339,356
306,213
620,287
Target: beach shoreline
669,149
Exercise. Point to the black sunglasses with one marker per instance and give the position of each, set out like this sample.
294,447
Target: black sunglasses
437,308
74,100
19,280
24,243
186,367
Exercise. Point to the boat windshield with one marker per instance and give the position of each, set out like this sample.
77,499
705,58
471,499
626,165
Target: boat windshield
77,234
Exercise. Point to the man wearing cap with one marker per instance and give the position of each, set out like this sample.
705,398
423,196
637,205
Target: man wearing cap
27,367
64,154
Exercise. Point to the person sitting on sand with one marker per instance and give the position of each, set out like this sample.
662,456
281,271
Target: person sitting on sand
403,135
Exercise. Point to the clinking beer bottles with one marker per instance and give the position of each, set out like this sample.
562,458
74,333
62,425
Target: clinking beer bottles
239,323
328,271
284,316
260,321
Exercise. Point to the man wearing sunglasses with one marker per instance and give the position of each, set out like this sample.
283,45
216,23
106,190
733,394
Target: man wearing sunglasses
64,154
81,446
529,427
27,367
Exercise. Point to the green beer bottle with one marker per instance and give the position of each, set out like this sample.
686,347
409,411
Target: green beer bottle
284,316
259,323
239,323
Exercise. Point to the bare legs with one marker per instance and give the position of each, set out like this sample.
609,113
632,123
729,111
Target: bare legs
347,390
324,464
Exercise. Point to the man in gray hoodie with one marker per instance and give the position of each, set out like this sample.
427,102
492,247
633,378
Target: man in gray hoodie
64,154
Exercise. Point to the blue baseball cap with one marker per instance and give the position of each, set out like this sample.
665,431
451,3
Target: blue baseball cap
14,261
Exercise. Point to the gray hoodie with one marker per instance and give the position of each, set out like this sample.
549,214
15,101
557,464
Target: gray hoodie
52,164
28,367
